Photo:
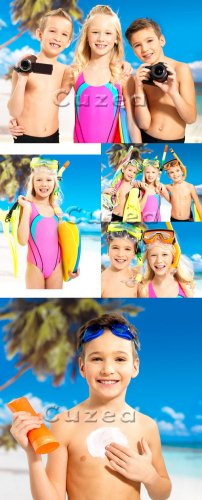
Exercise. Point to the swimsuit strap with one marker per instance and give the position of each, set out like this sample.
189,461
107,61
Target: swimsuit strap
152,294
181,293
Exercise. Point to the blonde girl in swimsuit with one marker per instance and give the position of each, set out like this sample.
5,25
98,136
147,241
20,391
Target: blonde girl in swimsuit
38,227
166,275
98,67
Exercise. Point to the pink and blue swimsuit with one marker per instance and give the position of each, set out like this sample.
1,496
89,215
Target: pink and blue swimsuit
43,245
152,294
97,111
151,210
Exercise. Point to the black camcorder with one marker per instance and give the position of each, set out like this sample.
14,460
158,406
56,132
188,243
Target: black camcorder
29,65
158,73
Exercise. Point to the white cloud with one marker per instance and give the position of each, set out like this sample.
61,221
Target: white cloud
173,414
196,68
97,215
2,24
105,259
176,428
10,57
199,189
197,429
197,262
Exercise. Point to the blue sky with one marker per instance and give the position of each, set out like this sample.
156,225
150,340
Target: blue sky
168,387
80,186
181,27
190,155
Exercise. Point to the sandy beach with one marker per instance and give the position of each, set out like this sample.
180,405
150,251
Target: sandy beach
14,480
66,117
86,285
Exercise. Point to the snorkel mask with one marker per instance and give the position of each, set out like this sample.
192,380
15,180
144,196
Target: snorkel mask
53,165
167,237
175,163
135,233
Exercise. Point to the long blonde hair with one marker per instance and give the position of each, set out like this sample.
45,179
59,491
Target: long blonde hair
183,273
30,184
157,180
83,51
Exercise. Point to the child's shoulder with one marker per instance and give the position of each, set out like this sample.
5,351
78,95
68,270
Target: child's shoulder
144,420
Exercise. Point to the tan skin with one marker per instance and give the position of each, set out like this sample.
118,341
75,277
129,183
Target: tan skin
120,473
180,194
118,279
162,110
29,91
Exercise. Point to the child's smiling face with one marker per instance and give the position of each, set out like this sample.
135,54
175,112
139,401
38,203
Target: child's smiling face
151,174
147,45
175,173
43,183
121,252
108,365
56,35
101,35
160,258
129,172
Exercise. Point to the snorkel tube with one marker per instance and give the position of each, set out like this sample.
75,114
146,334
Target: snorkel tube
176,247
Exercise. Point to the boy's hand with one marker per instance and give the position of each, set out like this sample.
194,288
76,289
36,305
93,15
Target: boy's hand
170,85
24,422
129,463
15,129
142,73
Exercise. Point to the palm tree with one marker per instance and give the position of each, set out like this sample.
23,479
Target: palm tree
116,153
42,333
27,14
14,170
6,439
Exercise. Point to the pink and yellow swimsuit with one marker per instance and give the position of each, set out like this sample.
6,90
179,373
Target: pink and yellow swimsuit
97,111
43,246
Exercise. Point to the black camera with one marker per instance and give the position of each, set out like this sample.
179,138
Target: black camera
158,73
29,65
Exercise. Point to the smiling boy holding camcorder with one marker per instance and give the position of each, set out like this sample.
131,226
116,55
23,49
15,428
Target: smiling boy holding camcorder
162,92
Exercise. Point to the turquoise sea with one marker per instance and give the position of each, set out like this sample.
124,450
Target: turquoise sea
183,461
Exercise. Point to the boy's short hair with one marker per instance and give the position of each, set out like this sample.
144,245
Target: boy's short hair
141,24
53,13
107,320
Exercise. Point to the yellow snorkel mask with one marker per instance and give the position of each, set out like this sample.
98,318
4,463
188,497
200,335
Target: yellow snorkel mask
136,232
51,164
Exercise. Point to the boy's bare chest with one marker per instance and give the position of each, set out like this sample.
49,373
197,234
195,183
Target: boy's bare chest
44,83
180,192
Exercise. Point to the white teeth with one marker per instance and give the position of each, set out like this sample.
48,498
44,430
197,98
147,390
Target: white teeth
108,382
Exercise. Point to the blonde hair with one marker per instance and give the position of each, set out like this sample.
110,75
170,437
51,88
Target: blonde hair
54,13
83,51
183,273
30,184
156,182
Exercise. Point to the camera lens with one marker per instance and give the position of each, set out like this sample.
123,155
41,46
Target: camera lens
159,72
25,65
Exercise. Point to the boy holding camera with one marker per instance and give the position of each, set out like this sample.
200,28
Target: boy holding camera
162,92
32,102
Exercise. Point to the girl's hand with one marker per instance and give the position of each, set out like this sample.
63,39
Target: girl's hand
109,191
137,184
74,275
15,129
24,422
127,69
23,202
129,463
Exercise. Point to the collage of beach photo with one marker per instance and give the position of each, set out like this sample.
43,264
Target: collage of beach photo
100,212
